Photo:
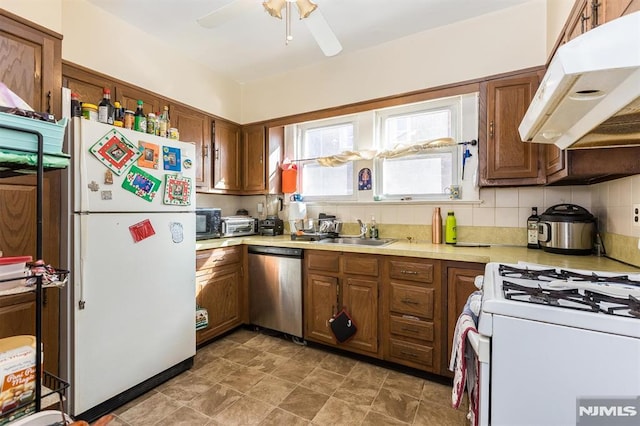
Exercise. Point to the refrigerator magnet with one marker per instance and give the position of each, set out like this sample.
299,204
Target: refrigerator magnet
141,230
177,190
150,155
115,151
141,183
171,158
177,232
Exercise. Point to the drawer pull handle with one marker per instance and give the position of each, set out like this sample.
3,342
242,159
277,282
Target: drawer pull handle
409,353
410,329
405,272
410,302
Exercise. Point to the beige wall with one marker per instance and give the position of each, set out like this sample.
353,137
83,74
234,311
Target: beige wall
507,40
557,14
47,13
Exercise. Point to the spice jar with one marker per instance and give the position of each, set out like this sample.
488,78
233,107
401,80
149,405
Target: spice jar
174,134
90,111
128,119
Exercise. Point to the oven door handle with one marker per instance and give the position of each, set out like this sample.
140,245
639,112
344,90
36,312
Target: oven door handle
480,345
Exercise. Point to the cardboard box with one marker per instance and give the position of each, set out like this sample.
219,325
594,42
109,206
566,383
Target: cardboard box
17,376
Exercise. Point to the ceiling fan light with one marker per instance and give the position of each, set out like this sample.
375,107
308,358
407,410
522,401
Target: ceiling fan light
305,7
274,7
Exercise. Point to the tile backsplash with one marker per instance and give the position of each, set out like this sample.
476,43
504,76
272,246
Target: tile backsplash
610,202
502,207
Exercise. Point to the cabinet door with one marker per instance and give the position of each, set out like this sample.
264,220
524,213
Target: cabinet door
226,156
194,127
129,96
276,154
219,293
88,86
360,298
554,159
253,144
504,158
579,21
17,314
320,304
30,64
460,284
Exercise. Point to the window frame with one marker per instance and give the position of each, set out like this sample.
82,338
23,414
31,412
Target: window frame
452,103
300,130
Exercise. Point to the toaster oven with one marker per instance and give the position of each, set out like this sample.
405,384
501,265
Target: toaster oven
235,226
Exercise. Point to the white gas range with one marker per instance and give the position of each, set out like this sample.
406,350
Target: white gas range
552,342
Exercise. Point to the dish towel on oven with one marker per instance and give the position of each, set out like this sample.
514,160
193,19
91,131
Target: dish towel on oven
464,363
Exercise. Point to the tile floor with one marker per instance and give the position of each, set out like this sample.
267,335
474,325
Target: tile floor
251,378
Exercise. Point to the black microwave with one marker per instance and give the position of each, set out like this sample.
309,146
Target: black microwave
208,223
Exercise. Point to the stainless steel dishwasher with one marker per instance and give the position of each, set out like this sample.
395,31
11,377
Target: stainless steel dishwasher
275,288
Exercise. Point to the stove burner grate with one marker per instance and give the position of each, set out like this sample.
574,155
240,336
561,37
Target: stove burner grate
543,296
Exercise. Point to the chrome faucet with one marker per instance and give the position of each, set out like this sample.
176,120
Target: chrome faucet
363,229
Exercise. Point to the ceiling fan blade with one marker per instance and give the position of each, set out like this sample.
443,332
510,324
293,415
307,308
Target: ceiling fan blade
224,14
323,33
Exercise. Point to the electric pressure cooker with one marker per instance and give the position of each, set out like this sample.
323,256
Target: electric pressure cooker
567,229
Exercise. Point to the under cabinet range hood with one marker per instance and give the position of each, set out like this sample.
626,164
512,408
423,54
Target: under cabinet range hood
590,94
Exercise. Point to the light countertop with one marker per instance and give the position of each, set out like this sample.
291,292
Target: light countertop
497,253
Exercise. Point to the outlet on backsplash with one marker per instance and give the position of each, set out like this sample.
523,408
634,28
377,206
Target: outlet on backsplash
636,216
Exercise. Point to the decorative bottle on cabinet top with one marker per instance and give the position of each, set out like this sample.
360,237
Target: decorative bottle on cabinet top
436,227
450,232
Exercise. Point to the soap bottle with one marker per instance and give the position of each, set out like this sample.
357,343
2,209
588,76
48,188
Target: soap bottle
450,231
373,229
532,229
436,227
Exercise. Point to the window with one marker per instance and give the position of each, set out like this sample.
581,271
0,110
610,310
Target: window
424,174
322,139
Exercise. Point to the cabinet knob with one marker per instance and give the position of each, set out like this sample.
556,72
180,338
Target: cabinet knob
491,129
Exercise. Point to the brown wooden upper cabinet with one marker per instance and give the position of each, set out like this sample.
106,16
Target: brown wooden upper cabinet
504,159
30,61
226,156
588,14
194,127
129,96
254,177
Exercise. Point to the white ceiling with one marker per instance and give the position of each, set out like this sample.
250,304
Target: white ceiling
251,45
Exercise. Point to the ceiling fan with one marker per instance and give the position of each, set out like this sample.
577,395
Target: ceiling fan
315,22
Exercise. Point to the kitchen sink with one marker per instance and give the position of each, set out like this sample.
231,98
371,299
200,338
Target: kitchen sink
379,242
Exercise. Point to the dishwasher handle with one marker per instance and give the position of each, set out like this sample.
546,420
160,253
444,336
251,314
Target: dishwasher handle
276,251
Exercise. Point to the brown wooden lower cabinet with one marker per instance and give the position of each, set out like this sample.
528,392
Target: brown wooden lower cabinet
411,311
460,279
220,289
334,280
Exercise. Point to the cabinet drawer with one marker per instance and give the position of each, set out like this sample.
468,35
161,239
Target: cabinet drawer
218,257
411,271
419,354
411,327
326,262
410,299
360,265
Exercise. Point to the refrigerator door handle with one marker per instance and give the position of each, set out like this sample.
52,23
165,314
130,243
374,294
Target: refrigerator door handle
81,270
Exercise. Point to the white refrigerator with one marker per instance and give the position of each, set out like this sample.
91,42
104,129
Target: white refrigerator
131,299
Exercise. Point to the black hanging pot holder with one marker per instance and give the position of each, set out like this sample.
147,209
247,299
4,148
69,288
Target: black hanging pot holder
343,326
